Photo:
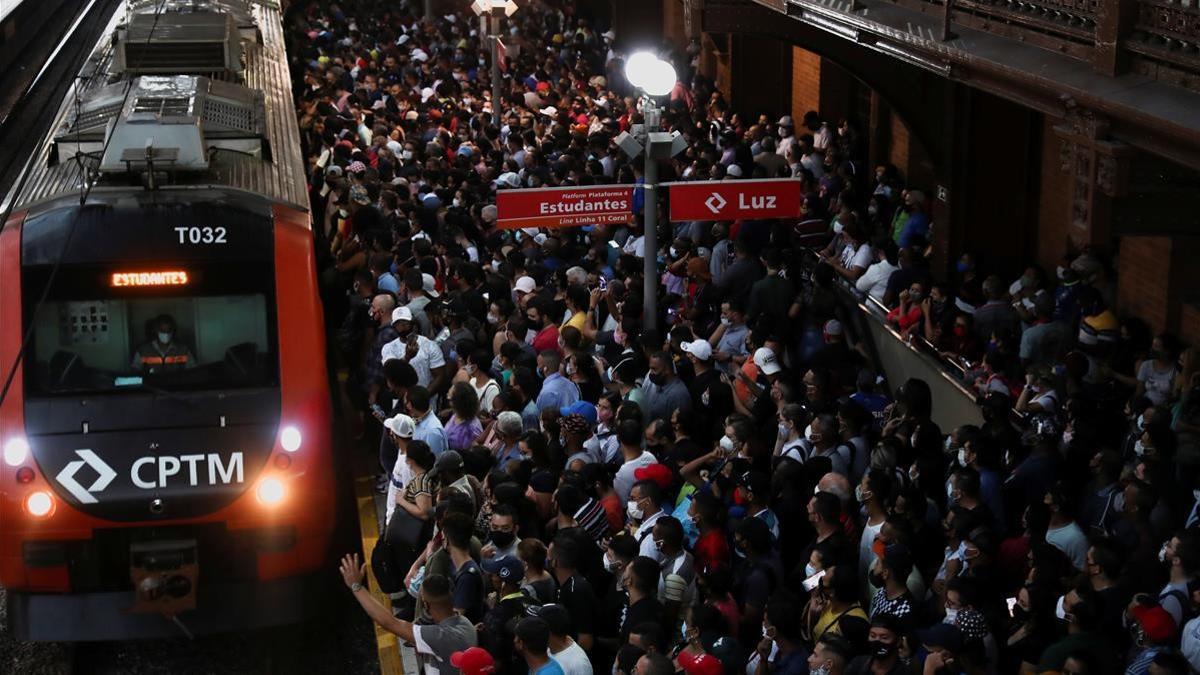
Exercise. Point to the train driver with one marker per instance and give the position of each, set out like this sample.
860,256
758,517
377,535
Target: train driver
163,353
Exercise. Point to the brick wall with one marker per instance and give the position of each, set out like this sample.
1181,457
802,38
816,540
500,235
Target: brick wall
899,150
673,28
1144,280
806,83
1189,324
1053,198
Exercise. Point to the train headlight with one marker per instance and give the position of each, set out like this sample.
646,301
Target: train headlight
270,491
16,451
39,504
290,439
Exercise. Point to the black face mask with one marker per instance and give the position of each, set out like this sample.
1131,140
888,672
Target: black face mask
876,579
879,649
659,379
500,538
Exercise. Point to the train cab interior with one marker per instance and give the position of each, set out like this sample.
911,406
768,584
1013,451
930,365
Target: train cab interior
169,342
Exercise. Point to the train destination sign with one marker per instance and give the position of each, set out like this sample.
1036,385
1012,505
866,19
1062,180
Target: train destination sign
564,207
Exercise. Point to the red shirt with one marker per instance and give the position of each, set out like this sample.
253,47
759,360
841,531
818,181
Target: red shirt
546,339
711,549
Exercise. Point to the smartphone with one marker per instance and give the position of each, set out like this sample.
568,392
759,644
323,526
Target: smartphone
602,284
1012,602
812,582
377,411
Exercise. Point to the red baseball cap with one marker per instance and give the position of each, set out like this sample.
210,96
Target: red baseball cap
659,473
700,664
473,661
1157,623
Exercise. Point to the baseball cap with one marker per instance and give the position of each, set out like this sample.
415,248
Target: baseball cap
1157,624
506,567
700,664
541,481
555,616
429,285
785,121
524,285
473,661
698,348
401,314
549,111
508,179
765,359
734,170
449,460
402,425
941,635
833,327
659,473
582,408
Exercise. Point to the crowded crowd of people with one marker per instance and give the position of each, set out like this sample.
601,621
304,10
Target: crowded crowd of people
736,489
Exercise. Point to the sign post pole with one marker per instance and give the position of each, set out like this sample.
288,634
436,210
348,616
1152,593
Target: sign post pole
650,243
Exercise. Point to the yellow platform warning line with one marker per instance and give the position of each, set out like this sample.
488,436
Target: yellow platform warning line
385,642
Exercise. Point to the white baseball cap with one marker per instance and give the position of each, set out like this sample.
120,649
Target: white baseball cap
699,349
401,314
765,359
402,425
429,285
525,285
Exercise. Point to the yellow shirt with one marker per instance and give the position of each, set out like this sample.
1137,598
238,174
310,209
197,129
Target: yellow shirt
577,321
827,623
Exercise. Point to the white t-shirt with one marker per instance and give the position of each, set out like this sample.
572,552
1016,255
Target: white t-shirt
857,257
428,357
865,553
1071,540
401,474
573,660
624,480
1190,644
874,281
1157,382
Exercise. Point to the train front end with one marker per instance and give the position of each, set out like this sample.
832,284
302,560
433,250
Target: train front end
166,438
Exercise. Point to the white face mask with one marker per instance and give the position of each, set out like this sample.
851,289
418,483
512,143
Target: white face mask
727,444
1139,448
784,432
493,319
164,338
610,564
1141,423
634,511
838,227
808,433
406,155
962,456
948,444
951,615
1059,609
1162,553
725,321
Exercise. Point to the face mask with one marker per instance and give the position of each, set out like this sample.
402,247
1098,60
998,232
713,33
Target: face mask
951,615
493,319
879,649
1162,553
610,564
962,456
727,444
948,444
501,539
634,511
406,155
876,579
960,331
838,227
860,495
725,321
164,338
808,433
1141,423
1060,609
1118,504
784,432
674,252
1067,436
950,491
1060,272
1139,448
823,670
809,570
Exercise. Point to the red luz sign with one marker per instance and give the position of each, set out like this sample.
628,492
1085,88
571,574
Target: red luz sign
564,207
736,199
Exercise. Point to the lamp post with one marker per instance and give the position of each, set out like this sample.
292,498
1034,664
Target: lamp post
654,77
489,12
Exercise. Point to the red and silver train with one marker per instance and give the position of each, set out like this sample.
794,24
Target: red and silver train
167,454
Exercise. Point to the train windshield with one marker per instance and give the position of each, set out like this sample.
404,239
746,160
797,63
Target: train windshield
166,327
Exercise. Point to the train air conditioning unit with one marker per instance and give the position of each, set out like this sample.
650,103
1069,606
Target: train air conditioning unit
178,42
165,124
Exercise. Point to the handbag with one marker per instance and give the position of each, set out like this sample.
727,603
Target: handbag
401,530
